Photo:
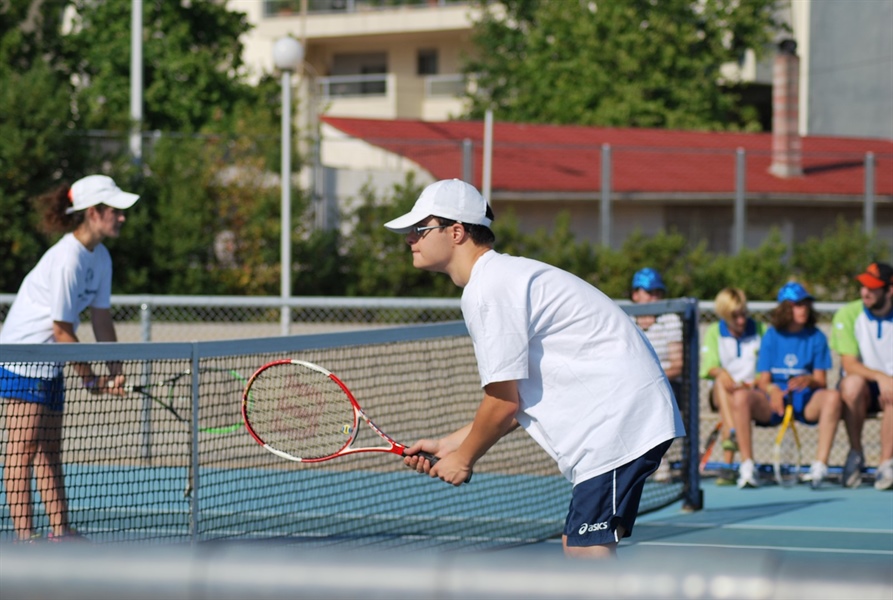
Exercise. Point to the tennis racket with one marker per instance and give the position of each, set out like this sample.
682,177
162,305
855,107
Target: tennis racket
708,447
220,417
174,394
302,412
786,453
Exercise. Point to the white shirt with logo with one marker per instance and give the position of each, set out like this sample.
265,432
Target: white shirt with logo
68,279
592,391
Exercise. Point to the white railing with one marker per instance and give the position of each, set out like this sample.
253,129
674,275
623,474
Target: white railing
340,86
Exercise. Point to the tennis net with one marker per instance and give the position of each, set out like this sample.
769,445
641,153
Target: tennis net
172,463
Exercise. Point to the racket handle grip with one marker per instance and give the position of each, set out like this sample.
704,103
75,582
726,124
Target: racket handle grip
433,460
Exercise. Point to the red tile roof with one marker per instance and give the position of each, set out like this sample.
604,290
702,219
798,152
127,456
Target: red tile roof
566,159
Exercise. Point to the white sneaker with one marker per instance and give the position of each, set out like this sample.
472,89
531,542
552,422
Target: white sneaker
817,473
747,475
883,479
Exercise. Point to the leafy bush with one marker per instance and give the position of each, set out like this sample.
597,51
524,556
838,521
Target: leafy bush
377,264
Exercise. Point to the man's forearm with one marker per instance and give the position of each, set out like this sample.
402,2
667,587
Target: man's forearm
495,418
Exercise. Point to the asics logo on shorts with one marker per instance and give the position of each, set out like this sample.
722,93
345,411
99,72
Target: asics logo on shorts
587,528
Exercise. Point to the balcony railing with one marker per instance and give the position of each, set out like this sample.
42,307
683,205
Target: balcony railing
439,86
342,86
273,8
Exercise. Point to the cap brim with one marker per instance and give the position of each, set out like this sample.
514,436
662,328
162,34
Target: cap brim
870,281
405,223
121,200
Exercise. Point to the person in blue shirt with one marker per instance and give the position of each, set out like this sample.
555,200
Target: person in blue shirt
794,357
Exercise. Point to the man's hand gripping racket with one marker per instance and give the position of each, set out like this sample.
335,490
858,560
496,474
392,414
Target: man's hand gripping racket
302,412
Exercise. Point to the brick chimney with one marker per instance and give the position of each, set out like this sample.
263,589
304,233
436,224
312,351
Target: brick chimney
787,160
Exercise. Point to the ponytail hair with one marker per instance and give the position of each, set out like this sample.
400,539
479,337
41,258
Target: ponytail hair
52,206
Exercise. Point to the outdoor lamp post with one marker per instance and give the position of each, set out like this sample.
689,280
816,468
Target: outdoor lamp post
287,56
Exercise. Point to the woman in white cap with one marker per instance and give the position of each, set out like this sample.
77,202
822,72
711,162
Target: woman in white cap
74,274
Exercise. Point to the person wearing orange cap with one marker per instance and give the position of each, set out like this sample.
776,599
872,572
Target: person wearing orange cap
73,275
862,334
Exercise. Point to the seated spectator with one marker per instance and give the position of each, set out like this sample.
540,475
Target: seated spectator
665,334
862,334
792,365
728,360
663,331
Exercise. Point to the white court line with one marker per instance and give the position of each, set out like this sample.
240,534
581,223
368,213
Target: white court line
762,527
795,549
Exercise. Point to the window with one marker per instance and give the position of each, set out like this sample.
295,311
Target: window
427,62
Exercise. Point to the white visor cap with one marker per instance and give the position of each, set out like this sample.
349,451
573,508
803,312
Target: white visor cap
449,199
98,189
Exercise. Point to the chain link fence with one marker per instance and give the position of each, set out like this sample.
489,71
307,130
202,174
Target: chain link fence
204,318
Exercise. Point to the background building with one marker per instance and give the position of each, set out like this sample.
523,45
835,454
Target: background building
399,64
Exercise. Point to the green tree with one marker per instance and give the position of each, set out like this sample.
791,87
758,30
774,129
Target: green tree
37,148
378,261
208,222
829,263
193,75
640,63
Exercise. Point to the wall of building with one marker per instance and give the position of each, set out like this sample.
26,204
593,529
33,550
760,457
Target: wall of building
850,69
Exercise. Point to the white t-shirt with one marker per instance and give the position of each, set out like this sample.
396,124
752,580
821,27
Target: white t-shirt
67,279
592,390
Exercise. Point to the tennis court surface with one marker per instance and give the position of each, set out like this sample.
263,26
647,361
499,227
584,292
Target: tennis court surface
772,542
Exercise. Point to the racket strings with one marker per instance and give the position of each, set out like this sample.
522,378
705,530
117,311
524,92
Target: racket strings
300,411
220,395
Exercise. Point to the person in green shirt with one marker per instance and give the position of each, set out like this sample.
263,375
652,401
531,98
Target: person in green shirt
728,360
862,334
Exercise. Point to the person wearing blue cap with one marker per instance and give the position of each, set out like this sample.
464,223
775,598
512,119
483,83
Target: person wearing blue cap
663,331
792,364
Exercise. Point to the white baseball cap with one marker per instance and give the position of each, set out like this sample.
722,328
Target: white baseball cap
98,189
449,199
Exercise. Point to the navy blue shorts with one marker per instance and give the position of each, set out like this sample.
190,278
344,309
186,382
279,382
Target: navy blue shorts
799,400
602,504
49,392
874,398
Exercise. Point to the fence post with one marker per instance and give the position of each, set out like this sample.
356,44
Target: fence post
605,207
194,479
487,175
145,322
868,207
693,496
740,225
146,410
467,161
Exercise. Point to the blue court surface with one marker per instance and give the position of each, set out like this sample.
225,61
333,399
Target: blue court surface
772,542
797,521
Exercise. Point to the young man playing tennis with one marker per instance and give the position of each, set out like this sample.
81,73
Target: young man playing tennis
557,357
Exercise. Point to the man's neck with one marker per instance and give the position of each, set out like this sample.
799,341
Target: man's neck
463,263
